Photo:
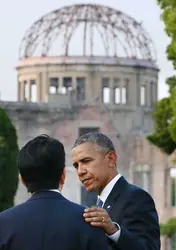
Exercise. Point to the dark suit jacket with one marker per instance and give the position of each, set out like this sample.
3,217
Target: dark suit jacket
48,221
134,210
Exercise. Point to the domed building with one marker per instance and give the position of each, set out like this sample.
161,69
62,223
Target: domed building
85,54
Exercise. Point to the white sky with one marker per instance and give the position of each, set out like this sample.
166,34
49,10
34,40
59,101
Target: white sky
17,16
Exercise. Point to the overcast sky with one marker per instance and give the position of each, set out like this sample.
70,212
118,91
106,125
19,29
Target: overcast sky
17,16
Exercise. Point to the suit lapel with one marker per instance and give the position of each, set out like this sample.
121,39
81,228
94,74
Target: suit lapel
118,188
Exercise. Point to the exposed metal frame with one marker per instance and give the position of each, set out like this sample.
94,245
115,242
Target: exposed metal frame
115,28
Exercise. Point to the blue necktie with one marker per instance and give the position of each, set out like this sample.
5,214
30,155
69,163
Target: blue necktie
99,203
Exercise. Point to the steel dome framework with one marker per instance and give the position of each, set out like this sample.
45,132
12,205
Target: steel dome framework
118,32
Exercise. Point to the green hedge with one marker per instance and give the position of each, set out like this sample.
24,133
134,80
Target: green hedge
8,163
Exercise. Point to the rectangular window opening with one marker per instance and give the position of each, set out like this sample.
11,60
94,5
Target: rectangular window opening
143,95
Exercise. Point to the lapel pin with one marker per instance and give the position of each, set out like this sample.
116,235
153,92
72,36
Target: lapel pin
108,206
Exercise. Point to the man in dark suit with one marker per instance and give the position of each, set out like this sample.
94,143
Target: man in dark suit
126,212
47,221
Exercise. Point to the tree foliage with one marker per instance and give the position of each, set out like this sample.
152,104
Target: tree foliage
8,163
169,18
164,115
169,229
162,137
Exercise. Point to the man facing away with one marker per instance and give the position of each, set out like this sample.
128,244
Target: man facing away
125,212
46,221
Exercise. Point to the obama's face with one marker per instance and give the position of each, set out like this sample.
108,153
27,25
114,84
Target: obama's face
94,167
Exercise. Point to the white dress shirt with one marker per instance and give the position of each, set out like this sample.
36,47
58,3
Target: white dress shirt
103,196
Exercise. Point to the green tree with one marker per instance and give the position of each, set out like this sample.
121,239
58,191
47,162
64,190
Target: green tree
8,163
169,229
164,115
162,137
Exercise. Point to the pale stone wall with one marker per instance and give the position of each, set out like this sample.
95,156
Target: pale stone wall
138,72
130,73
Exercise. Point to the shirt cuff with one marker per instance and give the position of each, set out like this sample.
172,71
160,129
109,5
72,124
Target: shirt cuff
115,237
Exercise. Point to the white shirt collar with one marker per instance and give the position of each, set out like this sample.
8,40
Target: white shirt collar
54,190
107,190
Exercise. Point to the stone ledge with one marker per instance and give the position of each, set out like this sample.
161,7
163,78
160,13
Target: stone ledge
49,108
85,60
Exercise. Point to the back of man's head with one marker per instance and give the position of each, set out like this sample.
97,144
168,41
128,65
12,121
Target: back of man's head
41,163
